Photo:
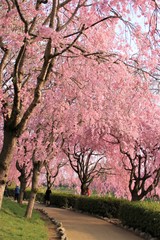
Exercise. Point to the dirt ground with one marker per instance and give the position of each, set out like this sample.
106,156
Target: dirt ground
52,232
80,226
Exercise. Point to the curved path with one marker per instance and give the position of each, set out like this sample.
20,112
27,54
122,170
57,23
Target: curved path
80,226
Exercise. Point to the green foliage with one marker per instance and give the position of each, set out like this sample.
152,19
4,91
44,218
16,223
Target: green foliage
14,226
103,206
64,200
106,207
142,215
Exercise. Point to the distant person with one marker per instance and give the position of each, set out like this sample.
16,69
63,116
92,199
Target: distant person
16,193
88,192
6,191
48,196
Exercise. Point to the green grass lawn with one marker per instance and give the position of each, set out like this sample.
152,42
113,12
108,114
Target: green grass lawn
13,225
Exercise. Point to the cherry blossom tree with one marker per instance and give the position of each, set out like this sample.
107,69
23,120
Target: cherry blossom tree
87,163
24,166
41,138
37,166
143,169
139,153
52,169
23,178
48,40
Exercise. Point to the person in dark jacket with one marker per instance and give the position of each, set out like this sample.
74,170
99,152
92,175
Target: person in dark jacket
47,196
16,193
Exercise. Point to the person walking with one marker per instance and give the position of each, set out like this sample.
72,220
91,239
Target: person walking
16,193
47,196
88,192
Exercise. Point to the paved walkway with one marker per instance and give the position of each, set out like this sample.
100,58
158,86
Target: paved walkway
80,226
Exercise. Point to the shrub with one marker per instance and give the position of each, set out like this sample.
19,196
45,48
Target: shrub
142,215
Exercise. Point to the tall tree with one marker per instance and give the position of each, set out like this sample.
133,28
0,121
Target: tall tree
52,169
88,164
144,171
23,178
139,153
37,166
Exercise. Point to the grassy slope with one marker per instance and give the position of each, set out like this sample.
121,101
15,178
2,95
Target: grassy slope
14,226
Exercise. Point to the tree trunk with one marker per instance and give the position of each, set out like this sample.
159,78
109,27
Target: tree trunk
140,193
23,178
34,189
22,190
48,176
6,155
135,196
84,189
21,196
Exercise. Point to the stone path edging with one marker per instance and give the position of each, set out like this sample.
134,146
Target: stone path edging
59,227
138,232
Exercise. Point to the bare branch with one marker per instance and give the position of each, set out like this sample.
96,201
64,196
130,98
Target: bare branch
21,16
70,45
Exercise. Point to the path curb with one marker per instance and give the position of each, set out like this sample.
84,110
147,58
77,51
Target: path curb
59,227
